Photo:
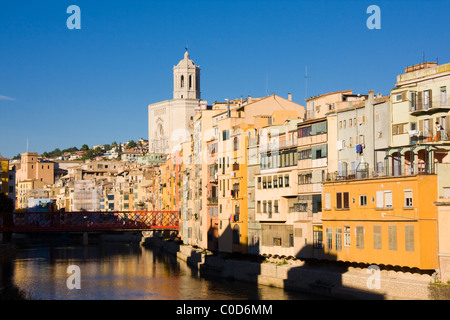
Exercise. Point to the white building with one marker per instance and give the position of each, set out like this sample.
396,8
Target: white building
171,121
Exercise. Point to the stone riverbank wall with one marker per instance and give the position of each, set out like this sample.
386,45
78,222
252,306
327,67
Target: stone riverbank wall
328,279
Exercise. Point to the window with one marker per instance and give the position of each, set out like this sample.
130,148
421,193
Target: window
360,237
329,243
304,132
397,97
235,143
342,200
277,241
377,237
408,198
409,238
304,154
427,99
413,101
258,207
291,239
304,178
275,206
388,199
317,237
286,181
280,182
443,96
363,200
392,236
338,242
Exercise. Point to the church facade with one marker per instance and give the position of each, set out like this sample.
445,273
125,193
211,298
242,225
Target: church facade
170,122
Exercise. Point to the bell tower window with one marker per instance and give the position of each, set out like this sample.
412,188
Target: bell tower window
182,81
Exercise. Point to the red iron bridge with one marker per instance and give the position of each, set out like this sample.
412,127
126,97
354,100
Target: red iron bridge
88,221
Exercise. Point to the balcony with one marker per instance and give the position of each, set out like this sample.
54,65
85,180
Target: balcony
436,104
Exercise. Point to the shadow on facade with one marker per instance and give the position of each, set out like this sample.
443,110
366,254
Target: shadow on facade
323,275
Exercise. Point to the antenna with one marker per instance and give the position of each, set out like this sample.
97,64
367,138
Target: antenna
306,82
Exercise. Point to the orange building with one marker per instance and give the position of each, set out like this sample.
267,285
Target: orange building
384,221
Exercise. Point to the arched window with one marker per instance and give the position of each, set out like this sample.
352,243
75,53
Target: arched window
190,82
182,81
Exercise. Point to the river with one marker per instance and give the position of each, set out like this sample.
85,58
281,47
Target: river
123,272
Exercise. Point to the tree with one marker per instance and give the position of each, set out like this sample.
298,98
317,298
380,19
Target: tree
84,147
131,144
6,204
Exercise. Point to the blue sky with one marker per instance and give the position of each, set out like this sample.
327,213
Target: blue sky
61,88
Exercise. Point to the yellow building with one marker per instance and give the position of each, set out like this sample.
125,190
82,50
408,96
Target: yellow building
385,221
4,169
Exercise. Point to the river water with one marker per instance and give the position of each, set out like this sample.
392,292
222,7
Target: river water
123,272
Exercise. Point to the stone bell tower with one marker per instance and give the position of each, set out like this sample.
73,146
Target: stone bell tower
186,79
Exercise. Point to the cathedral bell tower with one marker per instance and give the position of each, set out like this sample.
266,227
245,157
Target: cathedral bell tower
186,79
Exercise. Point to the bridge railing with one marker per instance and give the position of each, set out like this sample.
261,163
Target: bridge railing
85,221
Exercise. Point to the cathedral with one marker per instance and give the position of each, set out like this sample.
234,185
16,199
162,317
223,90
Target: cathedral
170,122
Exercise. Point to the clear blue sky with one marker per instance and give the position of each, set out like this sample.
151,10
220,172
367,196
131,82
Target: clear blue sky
62,88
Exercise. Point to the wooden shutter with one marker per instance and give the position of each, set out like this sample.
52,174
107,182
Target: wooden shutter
430,99
339,200
346,200
377,237
392,233
404,95
409,238
419,101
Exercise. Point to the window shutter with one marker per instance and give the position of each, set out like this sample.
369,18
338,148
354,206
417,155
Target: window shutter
388,199
404,95
392,231
430,99
419,100
328,201
380,202
339,200
409,238
377,237
346,200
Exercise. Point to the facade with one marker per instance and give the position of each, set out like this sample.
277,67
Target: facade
171,121
4,175
385,221
362,128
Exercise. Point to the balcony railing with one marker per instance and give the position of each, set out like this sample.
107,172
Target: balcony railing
435,104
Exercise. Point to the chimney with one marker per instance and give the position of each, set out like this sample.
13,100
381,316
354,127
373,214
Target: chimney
249,99
289,97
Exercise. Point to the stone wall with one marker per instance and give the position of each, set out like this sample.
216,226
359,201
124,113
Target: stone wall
327,280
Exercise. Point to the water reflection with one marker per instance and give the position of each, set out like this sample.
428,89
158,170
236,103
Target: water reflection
126,272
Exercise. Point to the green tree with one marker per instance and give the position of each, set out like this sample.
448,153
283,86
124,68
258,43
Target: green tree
131,144
84,147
